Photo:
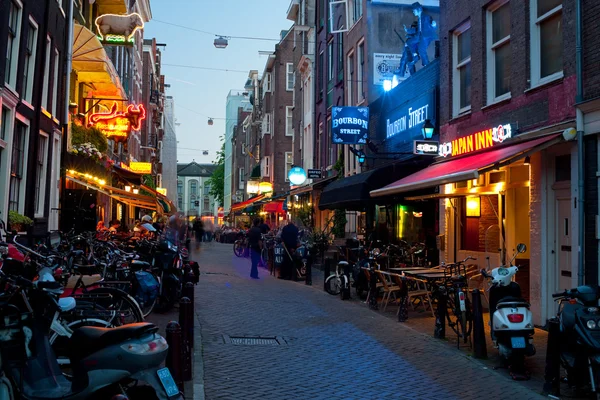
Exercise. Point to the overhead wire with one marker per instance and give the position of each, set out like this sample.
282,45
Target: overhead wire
215,34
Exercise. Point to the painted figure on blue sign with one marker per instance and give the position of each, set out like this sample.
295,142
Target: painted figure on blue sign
421,33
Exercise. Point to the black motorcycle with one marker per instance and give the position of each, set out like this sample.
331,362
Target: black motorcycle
579,318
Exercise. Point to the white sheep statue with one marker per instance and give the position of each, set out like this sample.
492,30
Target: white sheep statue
125,25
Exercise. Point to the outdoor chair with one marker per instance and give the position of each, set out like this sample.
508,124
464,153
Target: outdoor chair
389,287
417,290
367,272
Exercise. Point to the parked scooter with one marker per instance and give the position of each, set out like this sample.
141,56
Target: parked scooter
510,318
579,318
105,362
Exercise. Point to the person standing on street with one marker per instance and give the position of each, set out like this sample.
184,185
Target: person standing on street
289,237
264,228
255,242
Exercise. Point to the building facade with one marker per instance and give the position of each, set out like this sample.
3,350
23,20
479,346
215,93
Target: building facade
193,190
235,99
167,152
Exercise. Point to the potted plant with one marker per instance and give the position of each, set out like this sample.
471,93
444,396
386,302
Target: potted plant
18,222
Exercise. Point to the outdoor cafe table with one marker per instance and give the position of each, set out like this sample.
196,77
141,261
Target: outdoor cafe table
407,268
431,274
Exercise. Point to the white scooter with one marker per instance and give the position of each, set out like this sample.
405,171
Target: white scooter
510,318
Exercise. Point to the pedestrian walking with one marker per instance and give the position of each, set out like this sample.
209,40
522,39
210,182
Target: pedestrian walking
255,242
198,231
289,238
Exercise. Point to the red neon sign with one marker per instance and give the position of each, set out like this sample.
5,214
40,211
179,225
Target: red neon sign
117,125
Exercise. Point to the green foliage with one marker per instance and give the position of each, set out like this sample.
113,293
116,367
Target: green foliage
148,180
339,223
14,218
82,134
304,215
217,179
339,166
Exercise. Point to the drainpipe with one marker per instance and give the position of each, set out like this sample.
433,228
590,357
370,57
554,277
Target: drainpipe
580,155
65,122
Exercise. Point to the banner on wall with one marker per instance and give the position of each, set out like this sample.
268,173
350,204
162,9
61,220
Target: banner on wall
384,67
349,125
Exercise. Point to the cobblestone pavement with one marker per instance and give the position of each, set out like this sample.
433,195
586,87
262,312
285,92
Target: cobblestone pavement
329,349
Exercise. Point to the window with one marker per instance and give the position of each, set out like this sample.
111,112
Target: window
266,167
498,52
266,128
330,67
357,9
289,161
55,84
351,78
330,153
40,174
206,204
194,188
5,124
12,48
267,83
242,178
206,188
289,70
340,54
546,41
46,75
360,94
321,71
289,121
29,68
461,54
16,167
179,187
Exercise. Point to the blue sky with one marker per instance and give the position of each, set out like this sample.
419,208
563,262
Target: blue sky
206,91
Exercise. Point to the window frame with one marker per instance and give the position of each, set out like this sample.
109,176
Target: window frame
330,64
350,71
289,71
456,67
289,125
360,71
29,63
54,105
287,170
46,82
41,165
266,124
491,48
19,119
267,83
535,45
10,75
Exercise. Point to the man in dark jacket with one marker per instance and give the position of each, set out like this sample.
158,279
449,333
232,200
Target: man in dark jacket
255,243
289,237
264,228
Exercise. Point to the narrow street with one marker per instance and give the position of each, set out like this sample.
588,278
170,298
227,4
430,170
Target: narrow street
323,348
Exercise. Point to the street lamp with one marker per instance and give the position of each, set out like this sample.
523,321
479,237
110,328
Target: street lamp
210,121
427,129
221,42
387,85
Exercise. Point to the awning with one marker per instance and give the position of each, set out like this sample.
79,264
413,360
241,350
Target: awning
352,192
136,200
93,65
274,207
468,167
167,206
244,204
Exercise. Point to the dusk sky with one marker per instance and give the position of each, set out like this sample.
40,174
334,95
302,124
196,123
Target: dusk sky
199,93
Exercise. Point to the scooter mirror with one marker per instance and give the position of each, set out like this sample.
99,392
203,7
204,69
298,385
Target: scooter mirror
521,248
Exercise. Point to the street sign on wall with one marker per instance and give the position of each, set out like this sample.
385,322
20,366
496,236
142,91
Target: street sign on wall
314,174
349,125
426,147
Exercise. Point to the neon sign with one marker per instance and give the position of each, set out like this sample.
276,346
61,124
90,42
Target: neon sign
477,141
115,29
117,125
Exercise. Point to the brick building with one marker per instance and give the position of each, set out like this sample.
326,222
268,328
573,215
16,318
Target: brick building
507,166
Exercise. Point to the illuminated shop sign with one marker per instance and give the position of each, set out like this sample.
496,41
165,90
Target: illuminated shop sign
476,141
406,121
118,29
426,147
141,167
116,125
349,125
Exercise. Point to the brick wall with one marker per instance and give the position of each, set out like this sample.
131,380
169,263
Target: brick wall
537,226
591,50
543,106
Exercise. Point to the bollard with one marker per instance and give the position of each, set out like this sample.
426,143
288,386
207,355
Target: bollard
439,331
346,290
186,322
188,291
308,280
373,291
174,354
479,345
326,272
552,372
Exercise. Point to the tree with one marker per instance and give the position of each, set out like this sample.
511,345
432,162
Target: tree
217,179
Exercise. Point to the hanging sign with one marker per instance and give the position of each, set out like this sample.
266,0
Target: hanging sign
297,176
426,147
141,167
477,141
314,174
349,125
117,125
118,29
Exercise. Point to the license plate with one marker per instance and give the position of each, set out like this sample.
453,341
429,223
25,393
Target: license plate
167,381
518,342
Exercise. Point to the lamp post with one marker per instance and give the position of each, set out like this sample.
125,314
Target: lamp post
427,129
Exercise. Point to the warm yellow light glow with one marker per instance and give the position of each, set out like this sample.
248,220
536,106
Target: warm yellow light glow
473,206
265,187
162,191
72,172
140,167
128,188
252,187
136,191
102,182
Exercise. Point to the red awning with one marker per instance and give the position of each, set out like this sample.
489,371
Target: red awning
244,204
274,207
465,168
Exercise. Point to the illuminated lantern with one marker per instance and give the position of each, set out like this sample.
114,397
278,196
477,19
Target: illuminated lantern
265,187
221,42
252,187
297,176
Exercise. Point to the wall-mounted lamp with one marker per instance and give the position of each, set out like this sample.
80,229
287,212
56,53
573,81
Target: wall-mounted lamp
136,191
527,160
128,188
427,129
473,206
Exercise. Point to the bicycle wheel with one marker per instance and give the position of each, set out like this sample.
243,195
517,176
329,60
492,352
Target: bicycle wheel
238,248
109,304
333,285
264,257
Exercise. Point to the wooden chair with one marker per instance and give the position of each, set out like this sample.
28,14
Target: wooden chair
389,288
418,291
367,272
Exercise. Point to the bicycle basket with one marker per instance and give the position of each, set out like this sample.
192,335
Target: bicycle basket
147,287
